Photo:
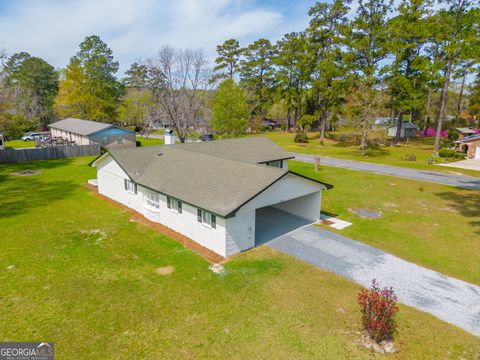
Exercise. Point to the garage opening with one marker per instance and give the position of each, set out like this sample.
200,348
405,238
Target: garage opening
281,218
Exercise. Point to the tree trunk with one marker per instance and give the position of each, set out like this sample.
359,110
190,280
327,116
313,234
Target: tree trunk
323,125
399,127
460,98
364,136
427,111
287,120
443,102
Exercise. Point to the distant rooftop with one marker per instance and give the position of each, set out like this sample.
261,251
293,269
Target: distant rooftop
80,126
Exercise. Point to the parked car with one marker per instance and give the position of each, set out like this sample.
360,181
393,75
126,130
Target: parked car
206,137
30,136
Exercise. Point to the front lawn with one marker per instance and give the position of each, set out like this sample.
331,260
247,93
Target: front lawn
432,225
149,141
18,144
422,148
84,276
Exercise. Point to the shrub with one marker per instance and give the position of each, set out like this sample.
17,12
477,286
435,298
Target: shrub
453,135
300,137
451,154
138,143
138,129
283,127
378,307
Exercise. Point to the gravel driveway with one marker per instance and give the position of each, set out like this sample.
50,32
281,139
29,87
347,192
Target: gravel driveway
463,181
449,299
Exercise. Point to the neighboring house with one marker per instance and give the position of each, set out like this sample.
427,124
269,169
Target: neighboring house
216,192
464,132
85,132
2,142
470,145
408,130
381,123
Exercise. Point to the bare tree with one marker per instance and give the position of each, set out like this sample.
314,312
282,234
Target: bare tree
179,79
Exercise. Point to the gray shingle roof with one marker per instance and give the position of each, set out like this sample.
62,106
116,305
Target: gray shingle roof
79,126
197,175
255,149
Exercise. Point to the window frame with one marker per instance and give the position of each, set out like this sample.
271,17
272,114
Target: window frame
151,199
175,204
130,186
207,218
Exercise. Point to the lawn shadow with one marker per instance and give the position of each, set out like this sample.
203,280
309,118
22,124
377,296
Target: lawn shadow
466,203
20,194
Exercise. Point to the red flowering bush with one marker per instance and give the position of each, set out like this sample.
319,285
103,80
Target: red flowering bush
378,311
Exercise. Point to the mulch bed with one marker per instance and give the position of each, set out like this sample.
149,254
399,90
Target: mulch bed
187,242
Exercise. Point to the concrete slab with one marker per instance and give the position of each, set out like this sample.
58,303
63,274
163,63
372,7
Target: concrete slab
470,164
271,223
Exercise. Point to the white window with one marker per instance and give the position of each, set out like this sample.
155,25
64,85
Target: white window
174,204
206,218
130,186
276,163
151,199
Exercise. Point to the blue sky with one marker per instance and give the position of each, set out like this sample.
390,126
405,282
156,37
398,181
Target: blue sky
134,29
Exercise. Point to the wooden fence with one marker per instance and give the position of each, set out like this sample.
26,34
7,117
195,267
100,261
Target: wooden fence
55,152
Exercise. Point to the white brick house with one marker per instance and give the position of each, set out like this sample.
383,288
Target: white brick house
217,193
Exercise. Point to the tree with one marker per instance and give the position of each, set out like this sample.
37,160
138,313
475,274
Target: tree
136,107
228,57
326,32
178,80
136,76
229,111
89,88
368,43
292,72
474,103
409,32
459,41
256,75
35,78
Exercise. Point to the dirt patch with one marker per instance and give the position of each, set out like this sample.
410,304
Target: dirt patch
327,222
218,269
384,347
26,173
366,213
166,270
94,235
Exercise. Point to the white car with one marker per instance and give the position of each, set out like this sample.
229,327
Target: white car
30,136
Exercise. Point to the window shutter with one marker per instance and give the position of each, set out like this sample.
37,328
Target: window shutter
135,188
214,221
199,215
179,206
125,184
169,202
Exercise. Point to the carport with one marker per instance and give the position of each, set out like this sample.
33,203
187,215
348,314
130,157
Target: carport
281,218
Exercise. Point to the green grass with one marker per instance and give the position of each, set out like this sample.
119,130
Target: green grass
432,225
389,155
149,141
85,278
18,144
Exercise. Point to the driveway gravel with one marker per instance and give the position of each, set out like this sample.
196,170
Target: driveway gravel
447,298
468,182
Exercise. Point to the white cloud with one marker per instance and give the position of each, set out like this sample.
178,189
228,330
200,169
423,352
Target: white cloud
136,29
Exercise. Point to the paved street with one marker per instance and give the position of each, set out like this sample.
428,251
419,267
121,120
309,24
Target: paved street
421,175
447,298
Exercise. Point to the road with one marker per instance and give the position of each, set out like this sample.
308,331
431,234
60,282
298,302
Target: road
450,299
463,181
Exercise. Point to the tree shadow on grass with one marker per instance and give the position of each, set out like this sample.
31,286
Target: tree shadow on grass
21,194
466,203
